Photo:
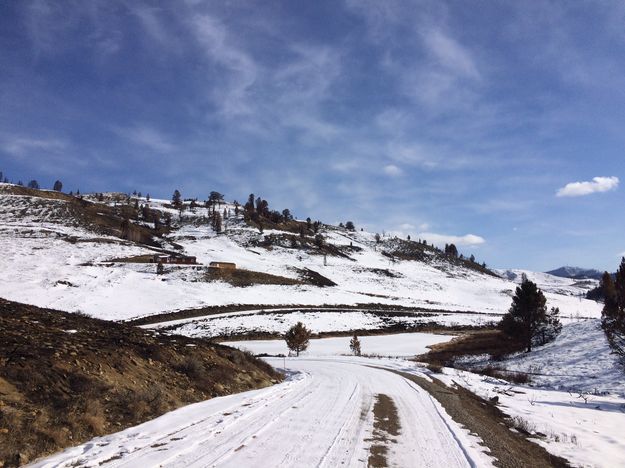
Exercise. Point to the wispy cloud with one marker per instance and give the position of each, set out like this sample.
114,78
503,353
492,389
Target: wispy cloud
580,189
450,54
146,136
24,146
241,70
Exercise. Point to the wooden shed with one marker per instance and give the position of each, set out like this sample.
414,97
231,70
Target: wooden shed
172,259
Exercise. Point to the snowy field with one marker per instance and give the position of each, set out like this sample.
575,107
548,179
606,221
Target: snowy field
579,359
324,321
58,264
404,344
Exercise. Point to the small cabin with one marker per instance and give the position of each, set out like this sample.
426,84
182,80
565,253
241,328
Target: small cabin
171,259
223,265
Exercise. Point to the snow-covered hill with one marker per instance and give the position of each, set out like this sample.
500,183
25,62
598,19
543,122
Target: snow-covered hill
576,273
61,254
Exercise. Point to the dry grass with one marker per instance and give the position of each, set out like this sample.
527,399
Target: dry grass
243,278
511,376
59,389
493,342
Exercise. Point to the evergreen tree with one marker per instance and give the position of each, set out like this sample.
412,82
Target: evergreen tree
286,214
176,199
472,258
297,338
377,238
452,251
249,206
610,304
527,314
160,269
319,241
350,226
619,285
550,328
308,223
33,184
215,197
354,345
58,186
217,224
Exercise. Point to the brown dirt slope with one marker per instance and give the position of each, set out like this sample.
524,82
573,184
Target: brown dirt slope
65,378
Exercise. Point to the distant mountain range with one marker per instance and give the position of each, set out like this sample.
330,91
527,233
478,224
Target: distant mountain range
576,273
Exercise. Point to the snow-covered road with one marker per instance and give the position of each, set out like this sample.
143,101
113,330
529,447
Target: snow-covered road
321,416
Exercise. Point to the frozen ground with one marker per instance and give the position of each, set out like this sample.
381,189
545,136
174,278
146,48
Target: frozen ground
404,344
56,263
322,416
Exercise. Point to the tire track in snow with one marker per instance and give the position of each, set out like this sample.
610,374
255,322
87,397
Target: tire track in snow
320,417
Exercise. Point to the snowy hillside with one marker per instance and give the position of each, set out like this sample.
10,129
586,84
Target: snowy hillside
61,258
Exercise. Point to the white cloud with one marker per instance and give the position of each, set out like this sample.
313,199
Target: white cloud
451,54
579,189
441,239
219,47
20,146
392,170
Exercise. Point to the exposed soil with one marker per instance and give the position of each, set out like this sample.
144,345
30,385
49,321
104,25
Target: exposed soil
385,427
511,449
244,278
65,378
309,276
489,341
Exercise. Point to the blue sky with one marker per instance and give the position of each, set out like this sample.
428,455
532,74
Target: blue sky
455,121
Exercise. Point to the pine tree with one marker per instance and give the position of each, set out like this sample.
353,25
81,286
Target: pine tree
249,206
176,199
297,338
349,225
377,238
619,285
58,186
354,345
217,224
33,184
527,314
609,313
319,241
550,328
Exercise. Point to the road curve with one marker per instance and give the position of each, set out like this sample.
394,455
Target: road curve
321,416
